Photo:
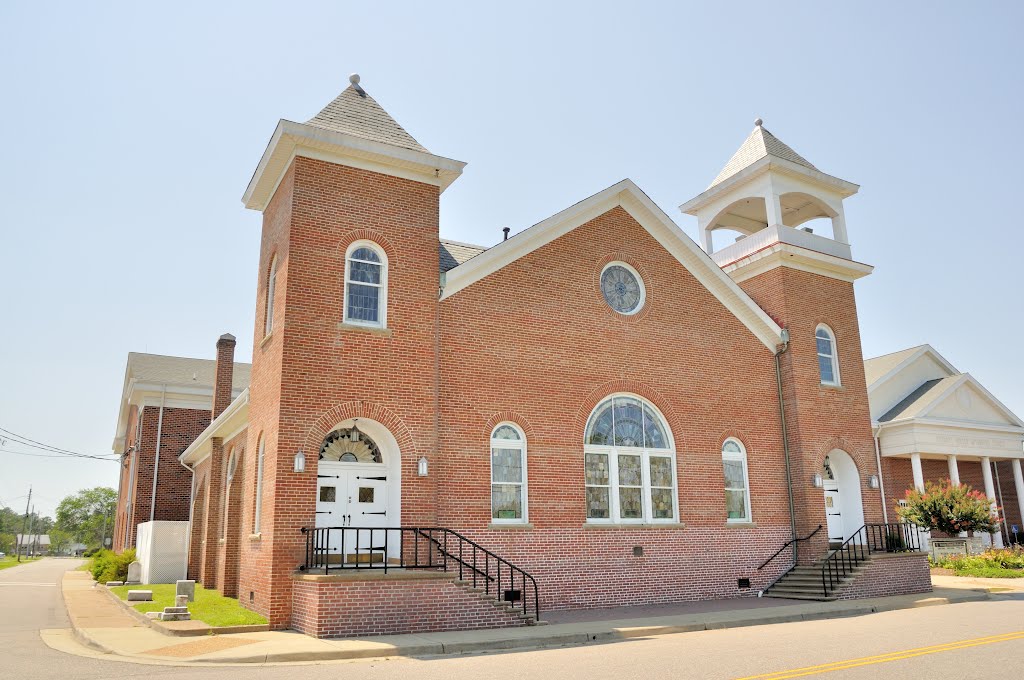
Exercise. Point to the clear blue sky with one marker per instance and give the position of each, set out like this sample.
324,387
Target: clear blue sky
130,132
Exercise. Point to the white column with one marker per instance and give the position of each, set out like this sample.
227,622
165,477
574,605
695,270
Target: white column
954,471
1019,485
915,466
773,208
839,226
990,491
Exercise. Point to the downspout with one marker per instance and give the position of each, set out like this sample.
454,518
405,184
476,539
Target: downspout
191,509
881,477
785,443
156,463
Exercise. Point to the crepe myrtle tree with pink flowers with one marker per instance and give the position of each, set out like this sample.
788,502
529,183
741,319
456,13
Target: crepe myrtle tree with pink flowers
951,509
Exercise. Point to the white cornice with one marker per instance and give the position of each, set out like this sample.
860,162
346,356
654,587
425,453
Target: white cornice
292,139
769,163
228,424
795,257
628,196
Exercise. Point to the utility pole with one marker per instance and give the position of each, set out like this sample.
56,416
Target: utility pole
31,524
24,522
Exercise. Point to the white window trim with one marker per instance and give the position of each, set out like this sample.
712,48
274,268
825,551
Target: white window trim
740,456
382,322
834,358
257,514
268,318
510,444
639,280
613,470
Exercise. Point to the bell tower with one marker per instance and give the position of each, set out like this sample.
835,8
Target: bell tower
791,253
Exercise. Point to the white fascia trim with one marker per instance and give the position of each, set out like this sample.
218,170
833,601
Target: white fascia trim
236,410
760,167
291,139
968,378
627,195
795,257
921,351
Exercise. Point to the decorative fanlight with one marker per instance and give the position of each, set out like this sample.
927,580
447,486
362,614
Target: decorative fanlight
349,445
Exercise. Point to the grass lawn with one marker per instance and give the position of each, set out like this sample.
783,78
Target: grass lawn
989,572
210,607
12,561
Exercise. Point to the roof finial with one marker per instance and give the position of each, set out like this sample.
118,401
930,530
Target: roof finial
757,121
354,79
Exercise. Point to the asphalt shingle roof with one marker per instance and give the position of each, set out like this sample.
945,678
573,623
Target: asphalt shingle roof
354,112
159,368
454,253
759,144
918,400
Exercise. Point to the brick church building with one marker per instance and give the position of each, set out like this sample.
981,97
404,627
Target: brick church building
594,412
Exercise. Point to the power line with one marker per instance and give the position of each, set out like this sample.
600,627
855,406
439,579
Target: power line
31,443
3,449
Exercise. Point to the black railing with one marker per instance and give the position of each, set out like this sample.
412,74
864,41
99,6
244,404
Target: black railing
435,548
786,545
870,538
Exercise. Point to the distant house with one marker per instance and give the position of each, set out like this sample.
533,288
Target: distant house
34,544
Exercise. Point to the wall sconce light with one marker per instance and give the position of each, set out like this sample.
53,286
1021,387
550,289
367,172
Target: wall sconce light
873,481
421,468
817,480
300,461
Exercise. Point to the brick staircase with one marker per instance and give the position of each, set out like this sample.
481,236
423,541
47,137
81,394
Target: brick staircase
804,582
510,608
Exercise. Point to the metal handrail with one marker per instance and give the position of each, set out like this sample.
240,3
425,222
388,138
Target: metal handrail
870,538
424,548
786,545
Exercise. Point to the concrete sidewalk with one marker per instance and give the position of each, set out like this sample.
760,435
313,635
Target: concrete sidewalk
104,626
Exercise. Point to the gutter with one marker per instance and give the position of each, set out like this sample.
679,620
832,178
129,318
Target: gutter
881,477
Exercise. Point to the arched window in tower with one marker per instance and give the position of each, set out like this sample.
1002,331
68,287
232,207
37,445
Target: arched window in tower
268,314
629,464
366,279
508,474
828,356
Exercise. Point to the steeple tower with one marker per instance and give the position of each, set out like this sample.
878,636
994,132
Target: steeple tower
766,192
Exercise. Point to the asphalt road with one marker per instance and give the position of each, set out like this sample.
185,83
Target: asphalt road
971,640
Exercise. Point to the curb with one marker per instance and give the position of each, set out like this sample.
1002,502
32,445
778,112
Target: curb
372,651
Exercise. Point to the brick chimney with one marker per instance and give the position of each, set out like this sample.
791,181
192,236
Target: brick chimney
223,373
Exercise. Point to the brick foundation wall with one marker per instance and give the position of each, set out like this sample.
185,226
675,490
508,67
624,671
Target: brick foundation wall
348,607
891,574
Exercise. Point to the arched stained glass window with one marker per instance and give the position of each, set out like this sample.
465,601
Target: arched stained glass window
828,359
365,285
508,475
629,463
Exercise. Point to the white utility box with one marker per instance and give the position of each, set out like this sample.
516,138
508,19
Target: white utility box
162,550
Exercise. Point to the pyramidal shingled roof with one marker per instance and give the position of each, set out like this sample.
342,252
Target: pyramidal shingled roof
354,112
759,144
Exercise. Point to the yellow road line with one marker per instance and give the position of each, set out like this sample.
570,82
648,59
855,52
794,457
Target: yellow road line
885,658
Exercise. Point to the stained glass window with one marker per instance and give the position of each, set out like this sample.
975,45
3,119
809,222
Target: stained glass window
828,362
737,488
629,464
508,474
365,287
622,288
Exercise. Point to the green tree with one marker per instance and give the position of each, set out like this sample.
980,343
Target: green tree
87,516
60,541
950,509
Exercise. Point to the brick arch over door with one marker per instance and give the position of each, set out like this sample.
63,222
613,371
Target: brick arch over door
326,422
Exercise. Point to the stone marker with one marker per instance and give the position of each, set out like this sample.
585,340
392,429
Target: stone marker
175,614
140,595
111,584
134,572
181,601
186,588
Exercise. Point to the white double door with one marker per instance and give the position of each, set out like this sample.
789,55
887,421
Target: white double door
354,499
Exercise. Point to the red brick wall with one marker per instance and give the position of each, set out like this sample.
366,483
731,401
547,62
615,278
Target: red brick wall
891,574
341,608
1011,507
174,483
126,485
233,508
820,418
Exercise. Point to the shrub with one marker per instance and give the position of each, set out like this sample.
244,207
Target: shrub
90,552
950,508
109,566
